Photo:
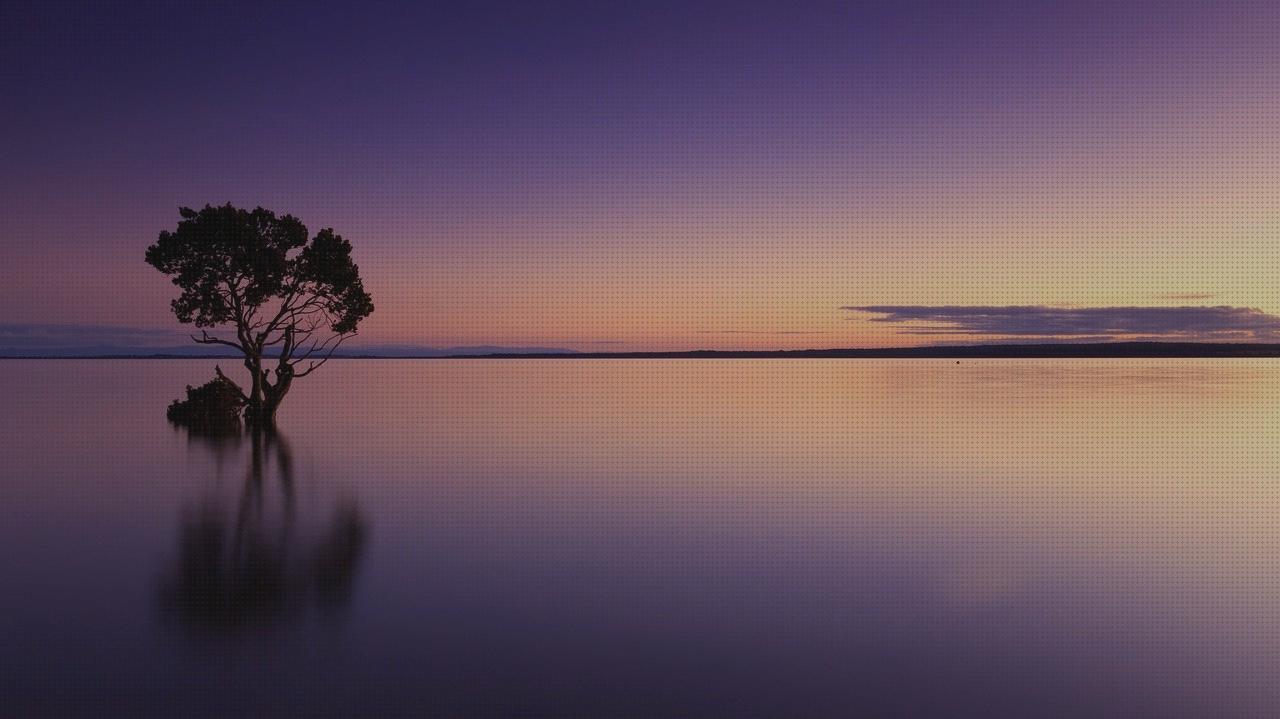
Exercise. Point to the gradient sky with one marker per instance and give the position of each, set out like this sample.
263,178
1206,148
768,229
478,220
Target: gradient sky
608,175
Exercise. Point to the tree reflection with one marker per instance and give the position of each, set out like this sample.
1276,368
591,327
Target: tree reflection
257,565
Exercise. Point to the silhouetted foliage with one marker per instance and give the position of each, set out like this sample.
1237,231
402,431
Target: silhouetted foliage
212,408
285,297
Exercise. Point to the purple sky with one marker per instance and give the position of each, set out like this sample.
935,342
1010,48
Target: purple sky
652,175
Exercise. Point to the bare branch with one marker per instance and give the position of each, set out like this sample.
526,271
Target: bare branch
313,366
318,346
206,339
274,323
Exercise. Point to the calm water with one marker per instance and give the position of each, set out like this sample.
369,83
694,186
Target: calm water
669,538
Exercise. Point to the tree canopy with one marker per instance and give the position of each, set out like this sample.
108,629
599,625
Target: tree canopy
285,294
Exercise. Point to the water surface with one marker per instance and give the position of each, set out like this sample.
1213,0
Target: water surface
765,537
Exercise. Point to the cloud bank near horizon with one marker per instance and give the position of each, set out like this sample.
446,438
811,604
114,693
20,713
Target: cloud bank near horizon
59,336
763,332
1043,322
80,340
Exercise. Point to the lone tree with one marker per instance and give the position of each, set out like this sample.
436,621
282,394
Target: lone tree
288,299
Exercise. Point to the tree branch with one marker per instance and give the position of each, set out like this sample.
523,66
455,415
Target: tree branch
207,340
274,323
313,366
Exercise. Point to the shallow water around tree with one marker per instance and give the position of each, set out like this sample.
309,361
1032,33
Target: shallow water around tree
661,538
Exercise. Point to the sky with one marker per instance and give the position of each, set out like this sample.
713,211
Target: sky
664,176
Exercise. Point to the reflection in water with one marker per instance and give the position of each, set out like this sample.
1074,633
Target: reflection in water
652,538
260,566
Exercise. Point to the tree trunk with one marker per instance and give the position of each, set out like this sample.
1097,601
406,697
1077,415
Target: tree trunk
256,411
254,365
274,395
266,397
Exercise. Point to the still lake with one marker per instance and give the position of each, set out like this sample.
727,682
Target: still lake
648,538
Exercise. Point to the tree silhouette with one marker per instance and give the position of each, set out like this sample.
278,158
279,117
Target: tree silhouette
287,298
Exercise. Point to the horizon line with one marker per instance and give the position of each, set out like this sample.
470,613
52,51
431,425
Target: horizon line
992,350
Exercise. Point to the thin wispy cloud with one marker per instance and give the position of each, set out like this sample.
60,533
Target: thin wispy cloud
1222,323
57,340
1186,296
51,336
761,332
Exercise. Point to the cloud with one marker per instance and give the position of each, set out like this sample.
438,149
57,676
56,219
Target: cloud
1186,296
54,336
760,332
1221,323
49,340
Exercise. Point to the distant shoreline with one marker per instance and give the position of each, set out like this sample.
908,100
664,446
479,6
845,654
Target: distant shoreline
1098,350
